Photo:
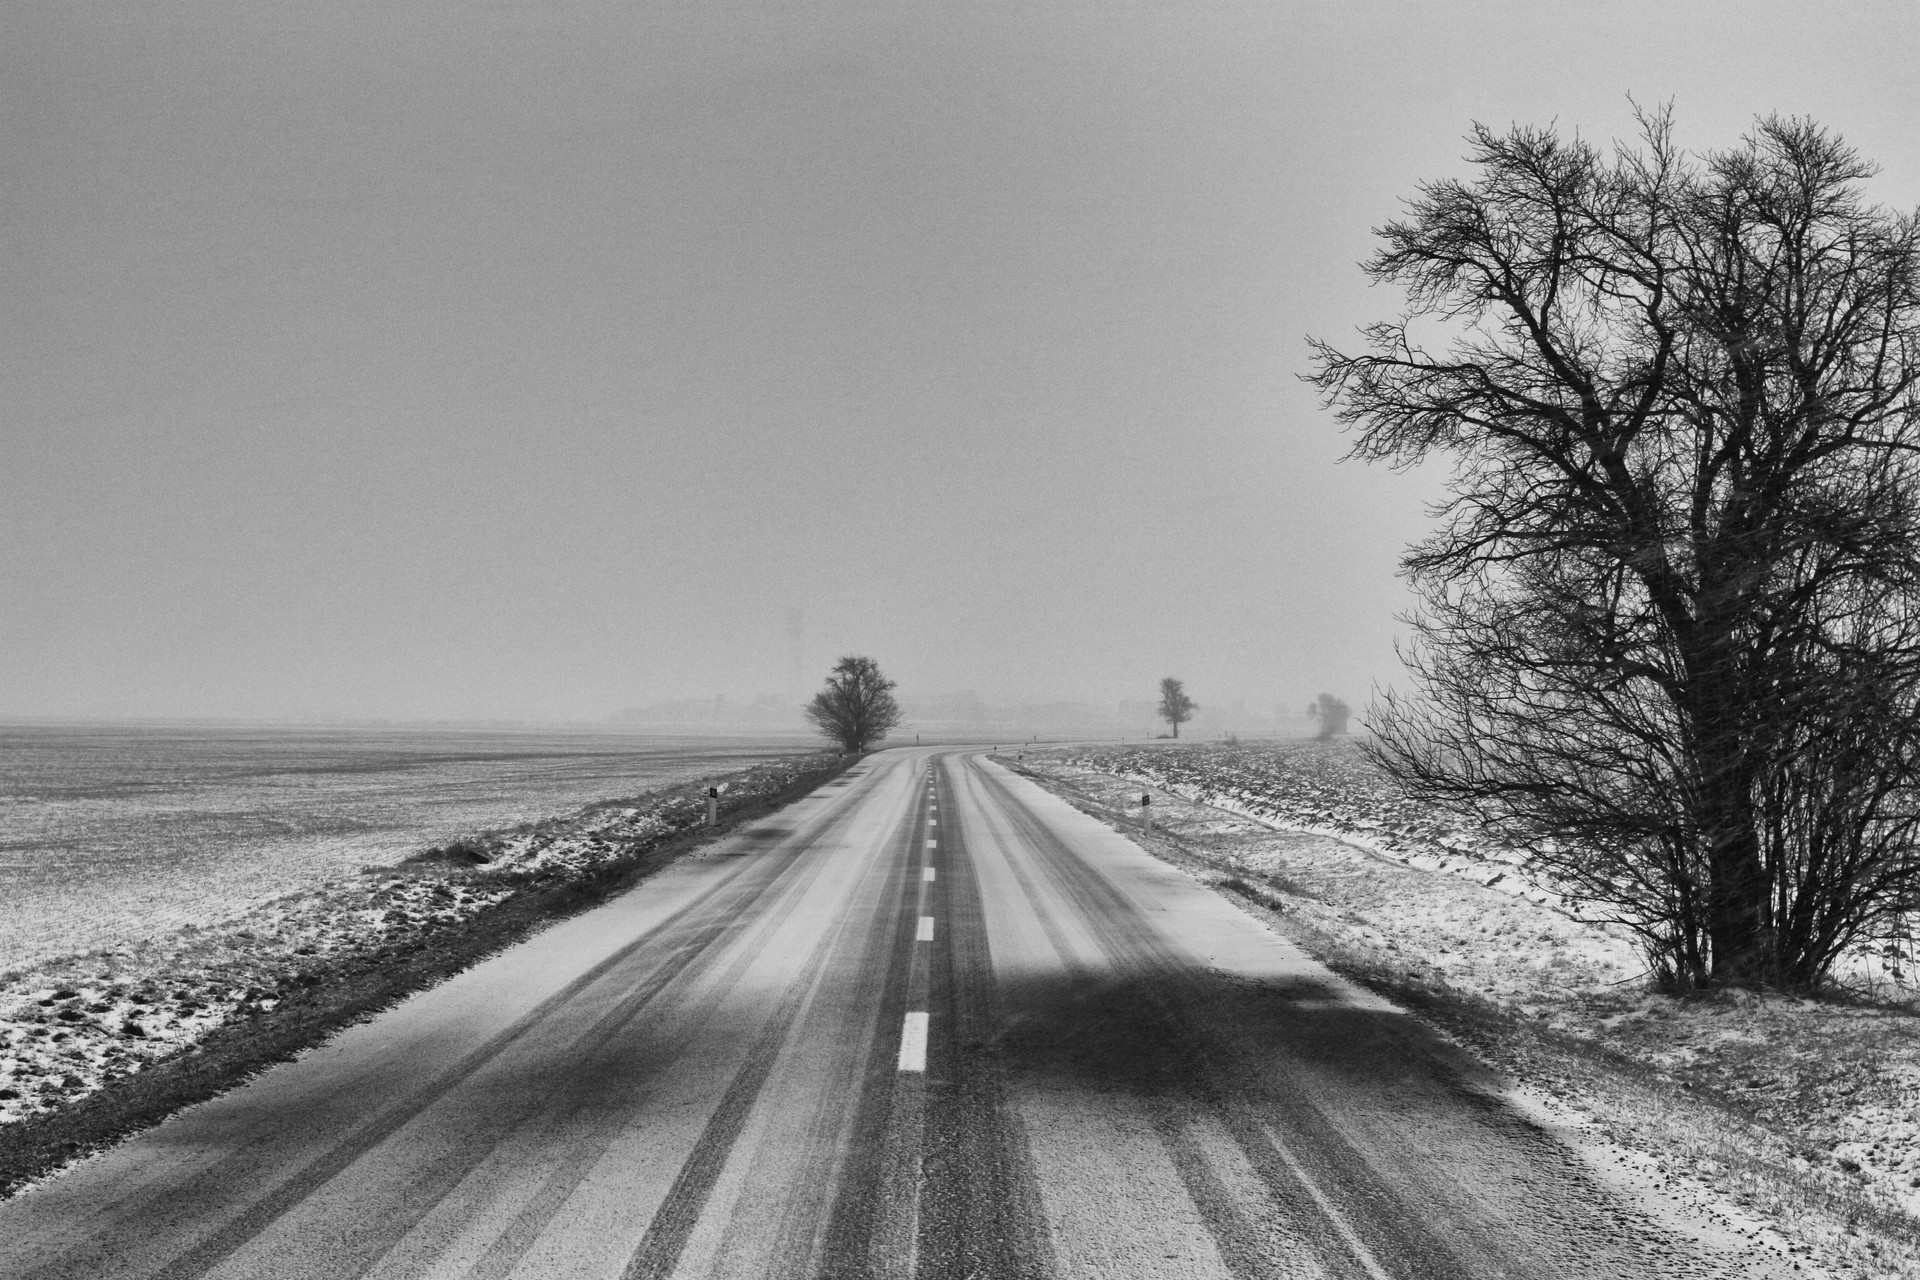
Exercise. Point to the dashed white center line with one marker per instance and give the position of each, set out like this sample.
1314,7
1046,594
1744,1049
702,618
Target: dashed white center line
926,930
927,873
913,1043
933,844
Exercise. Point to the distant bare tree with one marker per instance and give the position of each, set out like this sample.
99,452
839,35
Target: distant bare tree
1176,708
1671,628
1332,714
857,707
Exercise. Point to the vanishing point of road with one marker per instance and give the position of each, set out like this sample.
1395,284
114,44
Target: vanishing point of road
929,1022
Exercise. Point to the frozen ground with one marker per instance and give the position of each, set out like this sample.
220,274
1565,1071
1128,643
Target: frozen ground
111,833
1807,1113
71,1023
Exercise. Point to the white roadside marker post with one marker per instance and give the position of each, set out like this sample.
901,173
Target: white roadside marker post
1146,813
713,806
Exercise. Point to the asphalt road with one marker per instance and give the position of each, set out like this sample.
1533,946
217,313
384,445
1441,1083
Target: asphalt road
929,1022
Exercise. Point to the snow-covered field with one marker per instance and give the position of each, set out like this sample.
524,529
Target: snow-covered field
71,1023
115,832
1826,1093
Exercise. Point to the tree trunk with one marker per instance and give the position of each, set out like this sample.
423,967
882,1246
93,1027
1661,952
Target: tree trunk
1739,923
1739,904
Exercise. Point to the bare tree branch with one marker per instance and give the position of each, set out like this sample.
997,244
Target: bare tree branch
1670,634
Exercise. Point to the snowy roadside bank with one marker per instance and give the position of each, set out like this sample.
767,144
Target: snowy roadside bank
1802,1116
84,1037
1330,790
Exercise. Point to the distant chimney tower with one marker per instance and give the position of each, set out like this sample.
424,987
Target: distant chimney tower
796,652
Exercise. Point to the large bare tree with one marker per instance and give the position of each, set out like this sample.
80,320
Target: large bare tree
857,707
1669,636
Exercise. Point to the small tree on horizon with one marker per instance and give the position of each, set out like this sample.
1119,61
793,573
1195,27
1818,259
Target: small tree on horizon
1176,708
857,707
1332,714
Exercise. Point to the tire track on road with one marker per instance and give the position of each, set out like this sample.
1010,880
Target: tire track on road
802,1239
872,1177
1501,1199
1165,1093
673,1222
583,1090
605,1076
1180,1068
706,918
981,1213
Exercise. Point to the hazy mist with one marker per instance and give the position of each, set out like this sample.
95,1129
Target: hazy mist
427,359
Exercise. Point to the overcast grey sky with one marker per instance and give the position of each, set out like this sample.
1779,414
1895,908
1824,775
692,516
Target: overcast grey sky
420,358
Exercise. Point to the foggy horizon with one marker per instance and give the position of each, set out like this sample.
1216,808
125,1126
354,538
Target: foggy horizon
533,363
724,715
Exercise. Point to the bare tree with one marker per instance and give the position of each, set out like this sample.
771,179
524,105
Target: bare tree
1176,708
857,708
1332,714
1669,636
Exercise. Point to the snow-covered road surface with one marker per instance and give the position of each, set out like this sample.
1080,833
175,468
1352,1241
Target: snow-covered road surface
930,1022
